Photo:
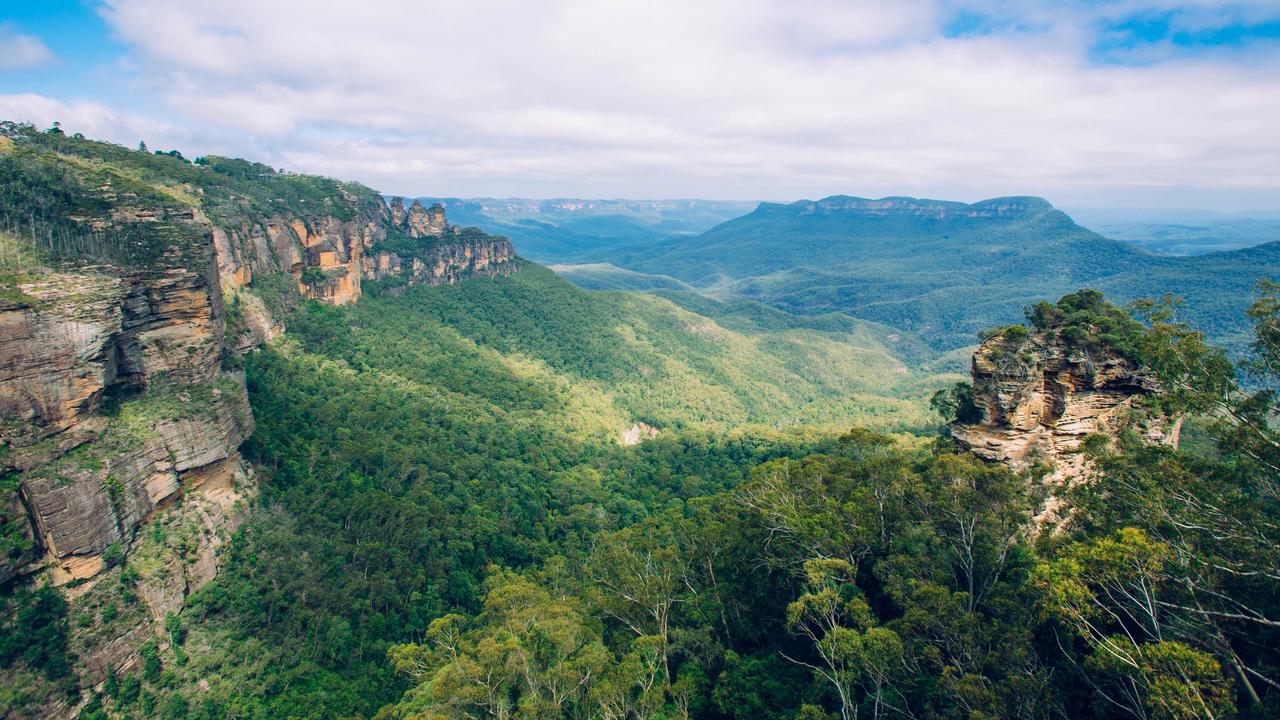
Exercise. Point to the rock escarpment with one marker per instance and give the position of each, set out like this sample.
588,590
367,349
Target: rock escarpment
330,257
322,254
121,412
116,416
423,248
935,209
112,395
1040,395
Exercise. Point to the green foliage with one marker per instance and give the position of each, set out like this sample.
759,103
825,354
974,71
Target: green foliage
955,404
413,441
945,274
33,630
660,363
15,528
1085,321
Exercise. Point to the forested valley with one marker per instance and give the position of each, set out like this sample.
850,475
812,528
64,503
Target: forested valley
497,495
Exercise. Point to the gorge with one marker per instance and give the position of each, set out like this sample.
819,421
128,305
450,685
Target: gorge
276,446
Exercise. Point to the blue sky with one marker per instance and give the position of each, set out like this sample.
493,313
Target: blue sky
1149,103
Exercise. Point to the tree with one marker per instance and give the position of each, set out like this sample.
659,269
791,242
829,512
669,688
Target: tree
1108,591
640,574
955,404
980,512
855,658
528,654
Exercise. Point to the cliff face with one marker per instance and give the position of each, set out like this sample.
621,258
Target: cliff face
1040,396
116,414
72,341
430,251
121,478
323,254
329,257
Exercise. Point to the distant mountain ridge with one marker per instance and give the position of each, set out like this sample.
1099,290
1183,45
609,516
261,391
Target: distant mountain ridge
902,205
1183,232
943,270
561,229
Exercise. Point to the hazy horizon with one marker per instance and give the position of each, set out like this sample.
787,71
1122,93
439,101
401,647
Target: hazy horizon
1142,103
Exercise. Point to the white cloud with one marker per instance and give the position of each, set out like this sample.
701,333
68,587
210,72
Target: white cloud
19,51
94,119
722,98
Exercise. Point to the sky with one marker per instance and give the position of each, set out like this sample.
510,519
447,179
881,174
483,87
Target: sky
1137,103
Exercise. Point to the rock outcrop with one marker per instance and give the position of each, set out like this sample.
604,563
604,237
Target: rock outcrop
426,222
1040,396
121,414
115,416
113,399
636,434
323,254
422,248
329,258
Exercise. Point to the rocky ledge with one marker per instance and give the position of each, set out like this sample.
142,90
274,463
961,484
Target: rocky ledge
430,251
1040,396
116,415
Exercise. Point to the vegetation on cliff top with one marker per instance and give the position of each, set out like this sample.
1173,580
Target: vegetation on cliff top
57,191
449,528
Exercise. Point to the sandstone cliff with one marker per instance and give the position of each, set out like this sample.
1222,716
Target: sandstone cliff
117,415
1040,395
121,414
423,248
329,257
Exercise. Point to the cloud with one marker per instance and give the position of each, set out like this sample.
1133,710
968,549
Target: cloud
19,51
93,119
741,98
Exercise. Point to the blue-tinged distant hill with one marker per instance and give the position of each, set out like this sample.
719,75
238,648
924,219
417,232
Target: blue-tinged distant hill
1182,232
942,270
577,230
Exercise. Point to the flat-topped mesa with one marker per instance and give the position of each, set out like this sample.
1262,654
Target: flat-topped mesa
936,209
1041,392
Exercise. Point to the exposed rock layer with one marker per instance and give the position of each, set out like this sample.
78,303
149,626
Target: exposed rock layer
120,428
151,343
1040,397
330,257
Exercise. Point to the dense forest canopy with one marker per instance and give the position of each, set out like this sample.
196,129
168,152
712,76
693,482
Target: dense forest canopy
487,563
450,527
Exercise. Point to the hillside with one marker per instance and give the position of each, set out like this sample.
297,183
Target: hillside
940,270
184,338
673,367
275,448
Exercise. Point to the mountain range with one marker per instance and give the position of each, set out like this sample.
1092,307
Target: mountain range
940,270
559,230
277,446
